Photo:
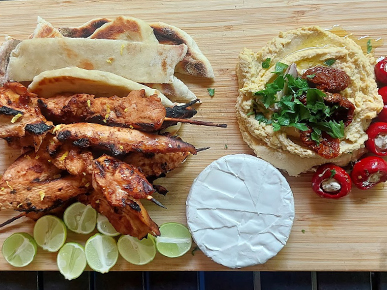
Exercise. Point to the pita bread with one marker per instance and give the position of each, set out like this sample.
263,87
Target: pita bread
45,29
126,28
175,91
194,62
84,30
74,80
5,51
144,63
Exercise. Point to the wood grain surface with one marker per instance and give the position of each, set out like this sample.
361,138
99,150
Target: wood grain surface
347,234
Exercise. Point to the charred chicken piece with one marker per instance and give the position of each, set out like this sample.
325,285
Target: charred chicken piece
20,117
119,140
32,183
328,147
120,182
132,219
135,111
154,165
327,79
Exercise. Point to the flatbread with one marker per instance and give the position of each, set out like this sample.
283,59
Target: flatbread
140,62
98,83
175,91
126,28
45,29
194,62
84,30
5,51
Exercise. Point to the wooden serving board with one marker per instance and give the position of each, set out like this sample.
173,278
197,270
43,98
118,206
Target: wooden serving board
346,234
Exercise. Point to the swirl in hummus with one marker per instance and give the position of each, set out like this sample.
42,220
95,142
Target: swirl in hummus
349,102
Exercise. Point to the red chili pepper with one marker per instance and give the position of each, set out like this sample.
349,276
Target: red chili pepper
331,181
369,171
382,116
381,71
383,92
377,138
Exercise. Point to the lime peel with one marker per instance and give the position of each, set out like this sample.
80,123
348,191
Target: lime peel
25,251
71,265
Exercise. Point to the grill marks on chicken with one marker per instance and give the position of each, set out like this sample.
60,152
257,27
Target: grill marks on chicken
135,111
131,220
20,118
120,182
120,141
154,165
32,184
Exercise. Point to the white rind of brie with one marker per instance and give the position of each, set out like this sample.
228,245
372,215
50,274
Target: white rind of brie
240,211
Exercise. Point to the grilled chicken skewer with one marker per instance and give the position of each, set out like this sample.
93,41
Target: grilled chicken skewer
136,111
155,165
21,121
33,184
129,220
119,140
120,182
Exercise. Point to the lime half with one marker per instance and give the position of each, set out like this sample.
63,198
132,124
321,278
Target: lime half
105,227
19,249
71,260
50,233
174,240
135,251
101,253
80,218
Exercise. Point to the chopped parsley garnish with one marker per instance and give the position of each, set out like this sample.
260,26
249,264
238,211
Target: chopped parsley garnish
369,46
211,92
280,67
330,61
303,231
280,105
225,146
266,63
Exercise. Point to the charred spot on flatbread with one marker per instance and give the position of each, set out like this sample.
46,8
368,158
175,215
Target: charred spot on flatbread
84,30
45,29
194,63
125,28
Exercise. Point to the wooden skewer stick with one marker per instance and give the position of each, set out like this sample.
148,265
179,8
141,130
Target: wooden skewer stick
195,122
7,222
152,199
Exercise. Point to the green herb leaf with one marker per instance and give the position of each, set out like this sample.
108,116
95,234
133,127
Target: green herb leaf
311,76
300,126
280,67
225,146
333,173
211,92
369,46
303,231
330,61
266,63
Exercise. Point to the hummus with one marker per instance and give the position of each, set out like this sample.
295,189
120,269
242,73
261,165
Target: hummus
306,47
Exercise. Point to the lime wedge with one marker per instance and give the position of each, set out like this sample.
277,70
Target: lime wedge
105,227
50,233
101,253
174,240
19,249
135,251
80,218
71,260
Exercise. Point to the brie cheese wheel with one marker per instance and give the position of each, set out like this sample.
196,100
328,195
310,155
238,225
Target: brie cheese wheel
240,211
